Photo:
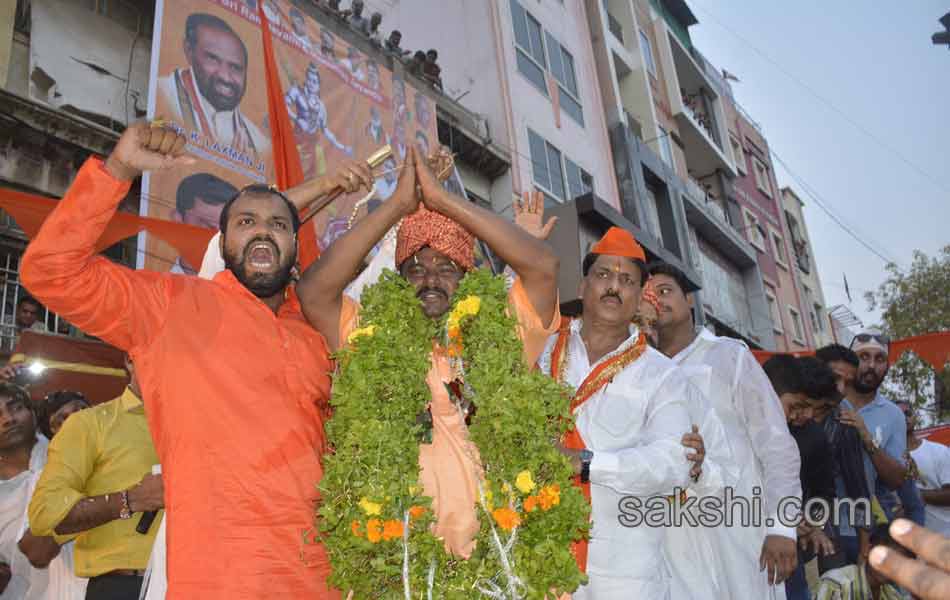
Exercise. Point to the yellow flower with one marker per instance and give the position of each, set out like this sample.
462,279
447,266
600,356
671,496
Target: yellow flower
465,308
413,490
506,518
506,488
524,482
468,306
357,333
370,508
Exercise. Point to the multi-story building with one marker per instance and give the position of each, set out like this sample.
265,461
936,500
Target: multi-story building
764,225
806,270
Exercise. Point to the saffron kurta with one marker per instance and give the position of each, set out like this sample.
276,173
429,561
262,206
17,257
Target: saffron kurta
235,398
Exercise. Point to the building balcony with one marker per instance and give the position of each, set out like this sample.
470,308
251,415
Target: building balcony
710,220
698,110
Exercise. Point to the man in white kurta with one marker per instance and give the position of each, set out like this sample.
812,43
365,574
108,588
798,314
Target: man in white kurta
753,557
631,412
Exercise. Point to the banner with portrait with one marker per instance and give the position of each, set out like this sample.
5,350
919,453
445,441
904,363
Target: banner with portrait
208,79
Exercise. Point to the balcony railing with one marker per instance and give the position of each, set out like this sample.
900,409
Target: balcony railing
615,27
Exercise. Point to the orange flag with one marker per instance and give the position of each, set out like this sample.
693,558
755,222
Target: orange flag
287,165
30,210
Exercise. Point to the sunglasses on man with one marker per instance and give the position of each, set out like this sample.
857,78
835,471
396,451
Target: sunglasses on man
864,338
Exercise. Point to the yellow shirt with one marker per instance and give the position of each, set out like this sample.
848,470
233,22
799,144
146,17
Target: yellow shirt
102,450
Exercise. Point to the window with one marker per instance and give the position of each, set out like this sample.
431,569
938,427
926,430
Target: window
774,313
666,150
579,181
651,212
529,46
646,48
754,231
739,155
549,171
778,247
818,316
762,177
562,68
539,51
797,328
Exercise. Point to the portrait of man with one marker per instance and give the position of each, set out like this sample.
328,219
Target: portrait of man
400,111
308,113
354,63
198,201
206,96
423,142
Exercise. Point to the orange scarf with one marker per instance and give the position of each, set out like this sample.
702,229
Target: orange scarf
595,380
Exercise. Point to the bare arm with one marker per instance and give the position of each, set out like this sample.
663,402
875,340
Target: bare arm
321,288
939,497
40,551
532,259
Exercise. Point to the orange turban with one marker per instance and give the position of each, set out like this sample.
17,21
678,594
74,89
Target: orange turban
619,242
429,228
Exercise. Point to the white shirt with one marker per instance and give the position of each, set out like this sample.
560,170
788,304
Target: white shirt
766,455
14,499
633,425
58,581
933,462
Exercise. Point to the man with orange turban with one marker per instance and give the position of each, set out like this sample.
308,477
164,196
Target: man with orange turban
631,406
434,250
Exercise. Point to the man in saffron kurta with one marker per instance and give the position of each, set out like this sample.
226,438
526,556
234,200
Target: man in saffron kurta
234,380
434,248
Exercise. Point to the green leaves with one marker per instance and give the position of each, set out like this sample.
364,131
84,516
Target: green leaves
378,393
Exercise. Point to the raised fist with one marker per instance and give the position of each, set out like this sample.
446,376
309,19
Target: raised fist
147,147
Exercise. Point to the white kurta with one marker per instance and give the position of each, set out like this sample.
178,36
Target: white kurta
689,546
634,425
765,452
58,581
14,498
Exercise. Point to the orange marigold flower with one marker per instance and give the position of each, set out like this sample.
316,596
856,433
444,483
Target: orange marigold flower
549,496
455,333
531,504
506,518
355,528
392,529
416,512
374,530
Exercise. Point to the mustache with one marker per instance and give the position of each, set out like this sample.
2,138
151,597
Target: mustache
425,290
215,82
612,294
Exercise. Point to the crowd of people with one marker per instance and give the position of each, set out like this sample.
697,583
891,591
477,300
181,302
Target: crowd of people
422,64
230,387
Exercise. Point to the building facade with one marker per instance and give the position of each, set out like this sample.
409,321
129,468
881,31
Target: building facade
806,270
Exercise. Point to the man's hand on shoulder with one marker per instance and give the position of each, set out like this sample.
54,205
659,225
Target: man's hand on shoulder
147,147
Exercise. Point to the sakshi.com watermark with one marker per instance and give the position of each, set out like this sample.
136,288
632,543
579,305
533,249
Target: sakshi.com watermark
732,510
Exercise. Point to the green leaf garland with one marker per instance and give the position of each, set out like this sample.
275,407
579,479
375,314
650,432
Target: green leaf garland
371,479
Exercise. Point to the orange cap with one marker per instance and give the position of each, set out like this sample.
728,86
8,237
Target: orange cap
619,242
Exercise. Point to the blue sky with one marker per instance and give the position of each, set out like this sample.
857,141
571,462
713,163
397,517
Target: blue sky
874,61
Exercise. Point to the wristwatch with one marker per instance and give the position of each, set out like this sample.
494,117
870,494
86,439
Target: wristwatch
125,512
586,456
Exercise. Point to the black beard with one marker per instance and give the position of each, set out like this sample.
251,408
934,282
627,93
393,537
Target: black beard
260,284
863,388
